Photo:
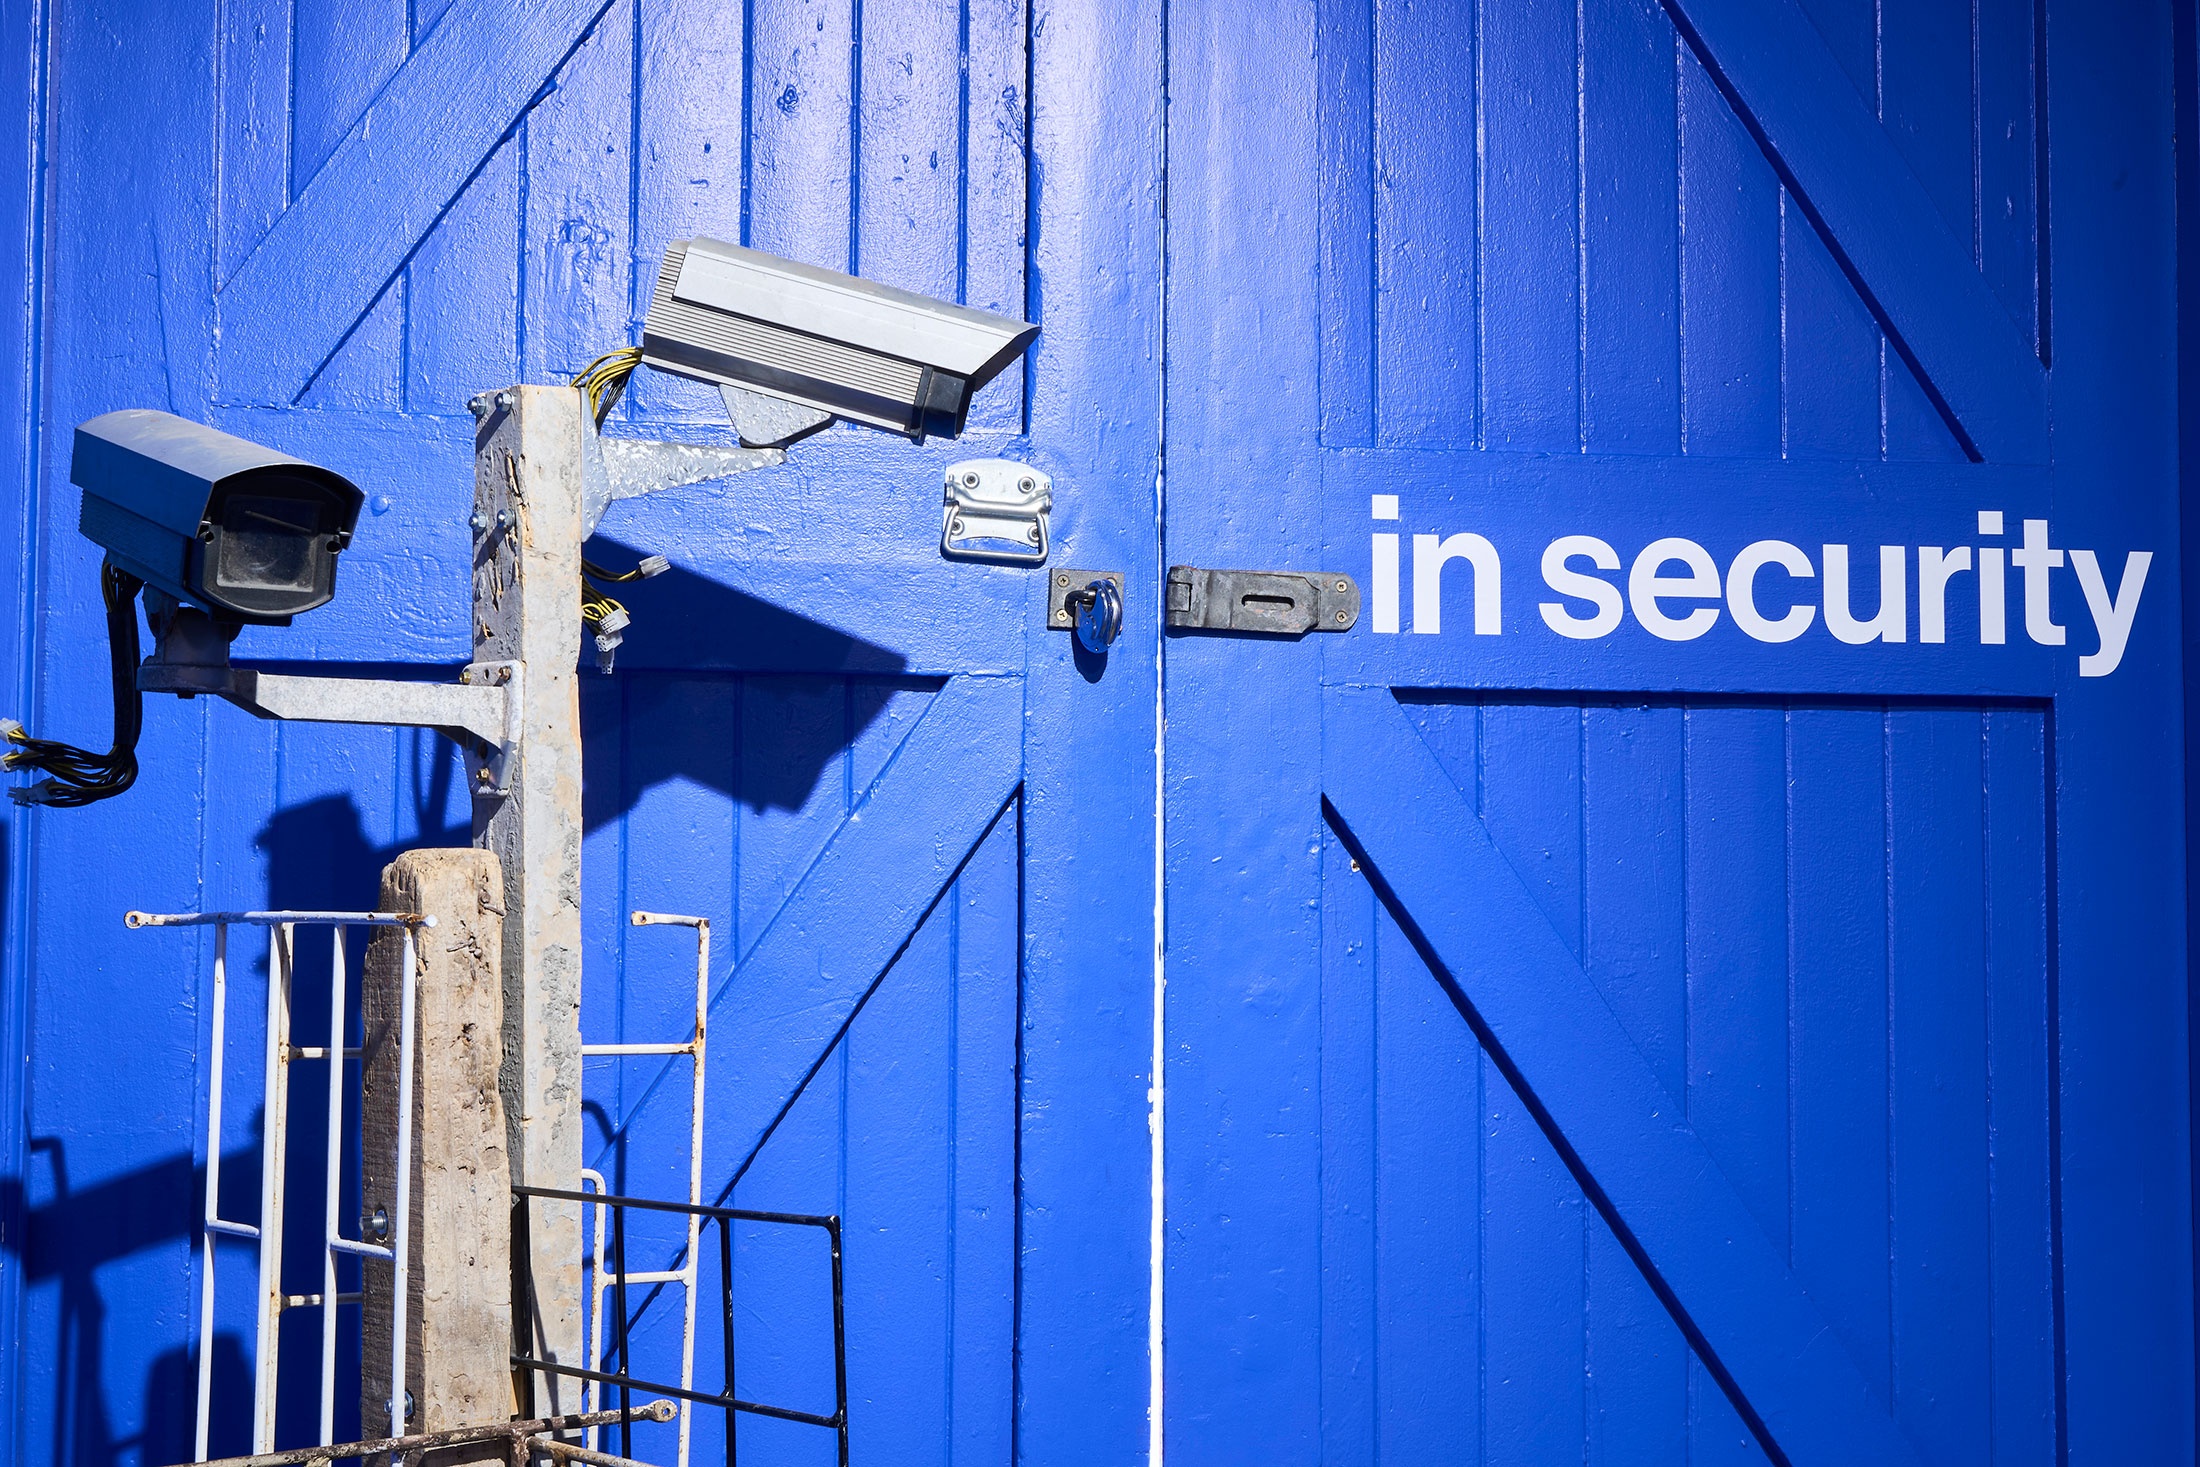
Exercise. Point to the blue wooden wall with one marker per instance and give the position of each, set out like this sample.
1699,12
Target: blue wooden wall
1871,931
325,226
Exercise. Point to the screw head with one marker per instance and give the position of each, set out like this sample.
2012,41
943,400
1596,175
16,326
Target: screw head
1340,616
1344,585
1061,580
958,527
1032,534
1061,615
504,400
970,478
478,521
1027,483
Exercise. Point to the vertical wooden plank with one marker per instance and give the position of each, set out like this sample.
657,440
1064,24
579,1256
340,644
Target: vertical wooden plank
1428,286
996,205
987,1000
1634,945
782,1290
1736,772
1432,1265
1530,236
908,211
1533,1215
682,742
255,126
2022,1239
1730,278
1937,1028
1831,361
462,289
693,72
1351,1331
606,797
1631,376
1926,66
793,787
1350,244
342,54
1837,1041
2008,200
900,1203
803,191
580,261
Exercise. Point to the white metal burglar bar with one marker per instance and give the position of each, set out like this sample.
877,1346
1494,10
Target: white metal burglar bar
602,1275
267,1236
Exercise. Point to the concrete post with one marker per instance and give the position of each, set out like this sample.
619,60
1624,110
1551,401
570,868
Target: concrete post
527,550
459,1316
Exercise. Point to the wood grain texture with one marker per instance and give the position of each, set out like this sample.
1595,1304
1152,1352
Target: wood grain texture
459,1312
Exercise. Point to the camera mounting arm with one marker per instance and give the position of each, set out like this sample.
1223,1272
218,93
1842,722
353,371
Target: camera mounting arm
479,712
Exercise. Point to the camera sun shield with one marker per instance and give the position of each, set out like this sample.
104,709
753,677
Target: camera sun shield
829,342
247,533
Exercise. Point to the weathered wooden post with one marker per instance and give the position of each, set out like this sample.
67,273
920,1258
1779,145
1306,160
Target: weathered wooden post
459,1312
528,447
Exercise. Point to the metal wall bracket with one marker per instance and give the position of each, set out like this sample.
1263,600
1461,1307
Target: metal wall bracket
1279,603
996,511
480,712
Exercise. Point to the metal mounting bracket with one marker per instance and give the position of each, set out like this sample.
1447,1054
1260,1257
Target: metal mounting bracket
480,712
1278,603
993,504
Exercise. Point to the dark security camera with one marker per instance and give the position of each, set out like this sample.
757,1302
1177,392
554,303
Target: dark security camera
213,520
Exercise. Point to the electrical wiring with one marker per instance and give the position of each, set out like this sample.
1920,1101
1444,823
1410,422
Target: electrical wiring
603,615
603,379
74,776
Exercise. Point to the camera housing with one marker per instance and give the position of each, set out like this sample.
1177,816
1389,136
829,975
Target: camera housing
216,521
830,343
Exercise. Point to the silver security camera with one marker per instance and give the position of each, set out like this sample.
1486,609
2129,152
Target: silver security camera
215,521
793,346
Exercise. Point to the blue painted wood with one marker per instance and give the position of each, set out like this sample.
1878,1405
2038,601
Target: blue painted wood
1922,284
2122,1071
1540,1016
977,1119
295,297
1830,906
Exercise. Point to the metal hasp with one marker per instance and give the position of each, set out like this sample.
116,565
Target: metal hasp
1278,603
996,510
529,448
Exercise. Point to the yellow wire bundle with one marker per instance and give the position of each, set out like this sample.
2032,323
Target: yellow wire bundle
604,378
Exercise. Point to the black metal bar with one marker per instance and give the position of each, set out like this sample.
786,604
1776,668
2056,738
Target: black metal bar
840,1346
626,1332
725,1217
754,1408
725,1289
694,1209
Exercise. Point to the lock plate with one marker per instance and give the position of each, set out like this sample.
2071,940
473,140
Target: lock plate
1277,603
996,510
1068,609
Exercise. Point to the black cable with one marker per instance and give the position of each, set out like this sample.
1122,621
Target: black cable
75,776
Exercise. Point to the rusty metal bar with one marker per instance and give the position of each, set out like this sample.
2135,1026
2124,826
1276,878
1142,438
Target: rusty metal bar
520,1433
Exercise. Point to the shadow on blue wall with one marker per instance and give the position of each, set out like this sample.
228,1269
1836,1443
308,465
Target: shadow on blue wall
318,854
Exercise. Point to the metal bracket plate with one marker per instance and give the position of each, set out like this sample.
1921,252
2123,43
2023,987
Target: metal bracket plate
996,510
1063,584
1278,603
